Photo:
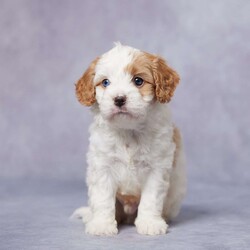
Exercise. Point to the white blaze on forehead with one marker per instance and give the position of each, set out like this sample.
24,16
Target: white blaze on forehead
113,63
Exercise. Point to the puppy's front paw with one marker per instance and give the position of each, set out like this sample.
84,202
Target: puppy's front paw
151,226
101,227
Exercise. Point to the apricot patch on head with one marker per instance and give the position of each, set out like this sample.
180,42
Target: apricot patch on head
141,67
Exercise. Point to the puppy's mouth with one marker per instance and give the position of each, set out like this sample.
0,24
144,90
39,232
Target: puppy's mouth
121,112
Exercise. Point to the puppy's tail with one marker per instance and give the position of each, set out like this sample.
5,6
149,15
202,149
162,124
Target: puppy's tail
83,213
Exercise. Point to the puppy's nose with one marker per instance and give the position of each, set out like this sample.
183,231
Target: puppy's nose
120,101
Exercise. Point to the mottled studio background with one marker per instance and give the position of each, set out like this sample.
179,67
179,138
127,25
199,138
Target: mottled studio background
46,45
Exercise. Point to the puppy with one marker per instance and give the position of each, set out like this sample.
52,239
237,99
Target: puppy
135,159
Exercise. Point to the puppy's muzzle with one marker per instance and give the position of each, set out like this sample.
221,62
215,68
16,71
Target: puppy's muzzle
120,101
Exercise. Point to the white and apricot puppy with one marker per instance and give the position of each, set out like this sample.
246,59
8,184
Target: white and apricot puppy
135,160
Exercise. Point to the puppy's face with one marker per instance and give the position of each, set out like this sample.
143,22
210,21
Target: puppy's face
125,82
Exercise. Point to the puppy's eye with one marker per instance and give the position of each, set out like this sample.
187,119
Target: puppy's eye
138,81
105,83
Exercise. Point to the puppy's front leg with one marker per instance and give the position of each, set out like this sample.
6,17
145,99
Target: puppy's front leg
102,205
149,220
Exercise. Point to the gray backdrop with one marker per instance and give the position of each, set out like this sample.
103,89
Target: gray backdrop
46,45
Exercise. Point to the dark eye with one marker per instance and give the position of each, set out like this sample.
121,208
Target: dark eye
105,83
138,81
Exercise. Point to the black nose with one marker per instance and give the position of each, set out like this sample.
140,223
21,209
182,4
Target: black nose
120,101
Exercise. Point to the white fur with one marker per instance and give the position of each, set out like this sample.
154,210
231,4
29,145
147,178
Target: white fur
131,153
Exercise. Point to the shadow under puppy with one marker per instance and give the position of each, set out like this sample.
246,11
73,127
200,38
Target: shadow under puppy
135,159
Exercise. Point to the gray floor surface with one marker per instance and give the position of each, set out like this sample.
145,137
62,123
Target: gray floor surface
34,214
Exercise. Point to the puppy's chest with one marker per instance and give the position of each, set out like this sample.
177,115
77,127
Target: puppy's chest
130,161
130,158
131,155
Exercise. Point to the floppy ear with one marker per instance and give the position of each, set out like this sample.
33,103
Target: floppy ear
166,80
85,89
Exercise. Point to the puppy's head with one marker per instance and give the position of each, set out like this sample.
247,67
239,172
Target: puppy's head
125,82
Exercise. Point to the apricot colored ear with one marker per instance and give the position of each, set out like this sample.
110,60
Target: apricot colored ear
166,80
85,89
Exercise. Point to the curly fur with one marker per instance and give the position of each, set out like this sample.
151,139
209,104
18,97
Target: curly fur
135,160
85,90
166,80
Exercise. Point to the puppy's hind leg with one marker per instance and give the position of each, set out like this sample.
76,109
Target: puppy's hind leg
83,213
178,182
